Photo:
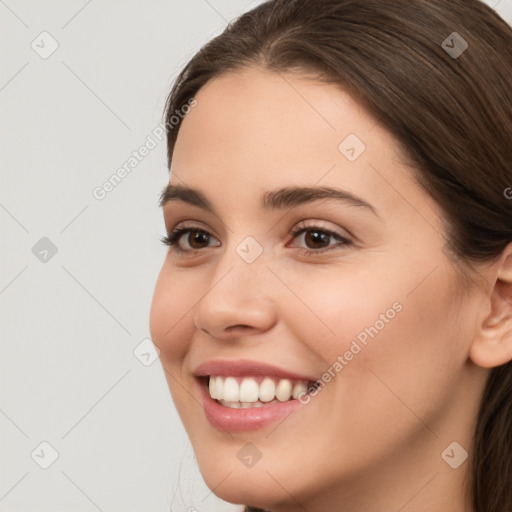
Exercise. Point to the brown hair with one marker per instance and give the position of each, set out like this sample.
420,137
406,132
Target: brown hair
450,113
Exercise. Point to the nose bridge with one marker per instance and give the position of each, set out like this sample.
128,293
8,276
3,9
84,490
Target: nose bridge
238,291
244,263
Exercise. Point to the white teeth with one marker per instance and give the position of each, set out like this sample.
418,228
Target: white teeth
244,405
267,390
231,391
213,388
284,390
249,394
233,405
298,389
249,391
219,386
216,386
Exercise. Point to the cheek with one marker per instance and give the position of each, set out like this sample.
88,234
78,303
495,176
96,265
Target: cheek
171,331
410,363
170,316
340,308
396,346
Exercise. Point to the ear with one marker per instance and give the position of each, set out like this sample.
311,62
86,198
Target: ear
492,345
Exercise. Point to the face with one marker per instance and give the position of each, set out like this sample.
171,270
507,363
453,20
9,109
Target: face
352,291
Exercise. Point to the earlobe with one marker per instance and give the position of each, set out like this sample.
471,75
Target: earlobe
492,345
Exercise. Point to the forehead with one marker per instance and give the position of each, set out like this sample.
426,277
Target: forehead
256,127
252,107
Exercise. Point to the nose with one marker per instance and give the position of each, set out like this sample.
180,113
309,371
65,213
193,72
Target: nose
237,300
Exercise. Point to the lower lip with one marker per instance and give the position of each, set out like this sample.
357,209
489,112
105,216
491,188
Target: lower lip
254,418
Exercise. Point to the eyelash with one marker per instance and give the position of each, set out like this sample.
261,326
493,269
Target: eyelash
173,238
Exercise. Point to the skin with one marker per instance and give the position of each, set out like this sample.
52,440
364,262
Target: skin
372,438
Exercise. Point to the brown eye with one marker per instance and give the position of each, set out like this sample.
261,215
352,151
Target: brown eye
197,239
317,240
314,238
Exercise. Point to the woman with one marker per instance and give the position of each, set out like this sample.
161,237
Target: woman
334,314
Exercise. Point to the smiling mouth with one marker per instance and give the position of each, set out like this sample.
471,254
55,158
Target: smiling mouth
255,391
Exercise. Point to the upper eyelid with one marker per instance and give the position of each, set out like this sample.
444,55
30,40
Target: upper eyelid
182,210
314,223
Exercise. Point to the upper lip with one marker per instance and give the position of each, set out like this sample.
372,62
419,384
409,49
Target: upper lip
246,367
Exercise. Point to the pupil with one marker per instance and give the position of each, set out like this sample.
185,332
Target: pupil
197,237
317,237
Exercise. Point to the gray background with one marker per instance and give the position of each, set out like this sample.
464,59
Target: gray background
75,370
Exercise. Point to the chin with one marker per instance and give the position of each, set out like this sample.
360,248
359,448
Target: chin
250,487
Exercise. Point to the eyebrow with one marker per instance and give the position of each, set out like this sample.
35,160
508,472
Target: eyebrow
272,200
